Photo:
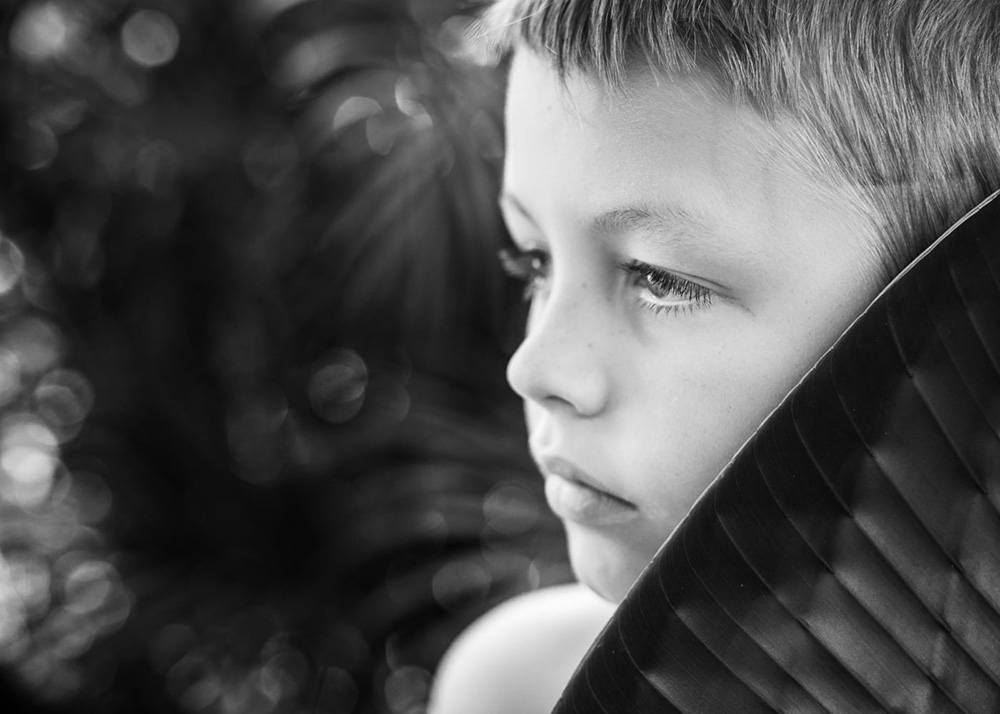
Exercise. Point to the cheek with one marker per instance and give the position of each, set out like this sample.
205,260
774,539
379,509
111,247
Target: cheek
695,424
726,396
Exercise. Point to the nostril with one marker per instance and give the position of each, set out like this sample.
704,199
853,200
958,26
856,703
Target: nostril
555,403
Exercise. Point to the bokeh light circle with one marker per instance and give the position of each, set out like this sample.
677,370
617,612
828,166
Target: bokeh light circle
11,265
150,38
337,389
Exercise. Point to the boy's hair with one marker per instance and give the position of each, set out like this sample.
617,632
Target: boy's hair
900,99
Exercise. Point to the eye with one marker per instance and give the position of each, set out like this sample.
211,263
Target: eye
662,291
529,266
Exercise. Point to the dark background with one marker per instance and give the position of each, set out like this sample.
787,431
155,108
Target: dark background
257,453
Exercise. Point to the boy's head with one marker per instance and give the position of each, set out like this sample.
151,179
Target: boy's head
704,195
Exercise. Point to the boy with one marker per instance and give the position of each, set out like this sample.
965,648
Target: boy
703,195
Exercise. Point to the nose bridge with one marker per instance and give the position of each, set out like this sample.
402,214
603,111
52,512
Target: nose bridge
561,362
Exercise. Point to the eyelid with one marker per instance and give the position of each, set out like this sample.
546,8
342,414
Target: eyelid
517,223
642,267
719,290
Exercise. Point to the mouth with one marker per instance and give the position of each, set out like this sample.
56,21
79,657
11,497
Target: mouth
574,496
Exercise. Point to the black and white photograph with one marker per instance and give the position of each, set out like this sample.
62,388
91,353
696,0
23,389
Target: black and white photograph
499,356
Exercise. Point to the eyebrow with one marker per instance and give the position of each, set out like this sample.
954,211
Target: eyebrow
678,222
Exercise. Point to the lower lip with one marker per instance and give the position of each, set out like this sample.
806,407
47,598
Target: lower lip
574,501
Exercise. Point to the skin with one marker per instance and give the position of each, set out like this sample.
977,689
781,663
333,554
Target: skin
518,657
648,388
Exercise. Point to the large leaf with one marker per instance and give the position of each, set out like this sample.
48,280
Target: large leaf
848,559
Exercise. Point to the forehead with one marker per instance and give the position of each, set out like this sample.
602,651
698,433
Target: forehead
573,137
648,105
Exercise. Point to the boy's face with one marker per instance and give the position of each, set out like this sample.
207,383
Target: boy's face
684,279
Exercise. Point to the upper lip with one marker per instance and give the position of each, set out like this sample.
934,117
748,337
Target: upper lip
559,466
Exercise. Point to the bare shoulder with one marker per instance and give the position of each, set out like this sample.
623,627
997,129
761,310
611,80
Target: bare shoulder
518,657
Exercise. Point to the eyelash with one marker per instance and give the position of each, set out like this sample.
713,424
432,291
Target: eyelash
656,280
531,267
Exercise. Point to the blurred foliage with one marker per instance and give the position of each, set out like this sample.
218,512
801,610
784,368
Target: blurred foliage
256,449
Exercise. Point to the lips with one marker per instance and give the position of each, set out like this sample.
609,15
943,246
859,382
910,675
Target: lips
574,496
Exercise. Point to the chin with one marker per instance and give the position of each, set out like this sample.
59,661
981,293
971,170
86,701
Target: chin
603,563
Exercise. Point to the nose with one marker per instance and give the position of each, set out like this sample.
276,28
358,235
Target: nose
561,364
